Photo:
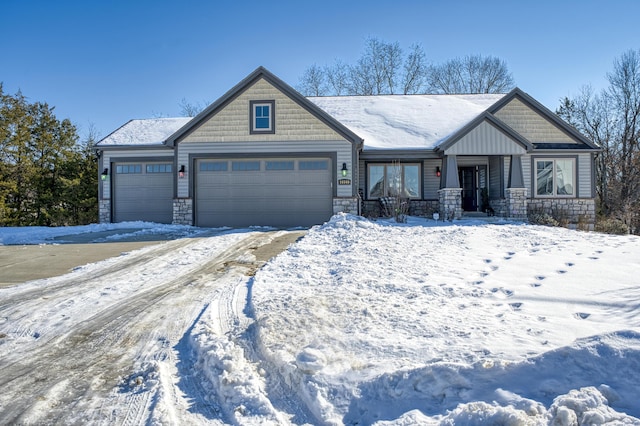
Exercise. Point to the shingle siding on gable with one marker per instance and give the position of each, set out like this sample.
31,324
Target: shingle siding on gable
293,123
530,124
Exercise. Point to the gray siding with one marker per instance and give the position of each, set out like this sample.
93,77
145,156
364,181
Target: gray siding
113,155
495,178
292,122
431,183
485,139
531,124
585,174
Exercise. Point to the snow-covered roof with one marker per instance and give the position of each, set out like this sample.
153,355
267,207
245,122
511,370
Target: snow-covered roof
150,131
405,121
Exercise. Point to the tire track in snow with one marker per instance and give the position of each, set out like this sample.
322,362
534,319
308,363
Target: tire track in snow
73,372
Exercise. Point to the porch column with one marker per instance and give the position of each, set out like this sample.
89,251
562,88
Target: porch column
450,193
516,192
516,178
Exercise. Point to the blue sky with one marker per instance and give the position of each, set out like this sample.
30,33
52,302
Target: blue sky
102,63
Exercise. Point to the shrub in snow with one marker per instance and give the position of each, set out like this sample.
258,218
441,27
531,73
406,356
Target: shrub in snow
611,226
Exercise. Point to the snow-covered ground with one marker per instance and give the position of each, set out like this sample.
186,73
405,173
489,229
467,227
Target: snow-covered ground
358,322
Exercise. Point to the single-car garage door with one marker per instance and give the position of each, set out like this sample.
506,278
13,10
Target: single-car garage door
143,191
268,192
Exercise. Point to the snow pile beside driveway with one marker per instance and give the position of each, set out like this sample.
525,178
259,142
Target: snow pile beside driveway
460,324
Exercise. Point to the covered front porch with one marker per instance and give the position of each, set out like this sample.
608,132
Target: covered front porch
492,185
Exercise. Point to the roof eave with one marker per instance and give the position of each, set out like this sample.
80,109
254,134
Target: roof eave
485,116
239,88
546,112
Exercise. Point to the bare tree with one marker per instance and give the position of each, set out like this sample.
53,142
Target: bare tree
415,71
611,118
471,74
188,109
337,78
313,81
377,71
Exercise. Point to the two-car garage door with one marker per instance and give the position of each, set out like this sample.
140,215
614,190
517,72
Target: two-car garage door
263,191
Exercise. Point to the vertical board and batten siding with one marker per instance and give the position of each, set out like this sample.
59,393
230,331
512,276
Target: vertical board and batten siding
530,124
109,156
485,139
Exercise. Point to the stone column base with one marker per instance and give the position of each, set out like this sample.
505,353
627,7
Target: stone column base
516,203
450,203
104,211
345,205
183,211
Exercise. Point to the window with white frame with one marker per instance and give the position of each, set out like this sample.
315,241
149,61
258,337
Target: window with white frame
555,177
393,180
262,117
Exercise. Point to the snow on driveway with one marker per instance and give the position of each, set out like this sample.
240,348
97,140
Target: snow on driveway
359,322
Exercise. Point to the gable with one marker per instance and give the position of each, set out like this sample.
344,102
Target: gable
531,124
485,139
231,123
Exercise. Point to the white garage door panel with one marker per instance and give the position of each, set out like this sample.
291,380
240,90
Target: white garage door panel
142,196
265,197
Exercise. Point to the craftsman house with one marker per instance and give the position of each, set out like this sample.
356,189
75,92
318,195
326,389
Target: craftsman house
263,154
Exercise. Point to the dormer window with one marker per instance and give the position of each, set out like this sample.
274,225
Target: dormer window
262,117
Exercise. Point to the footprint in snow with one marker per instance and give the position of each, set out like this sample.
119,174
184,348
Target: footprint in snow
582,315
561,271
515,306
569,264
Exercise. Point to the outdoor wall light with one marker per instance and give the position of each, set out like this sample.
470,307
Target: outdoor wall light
438,173
105,174
181,172
344,170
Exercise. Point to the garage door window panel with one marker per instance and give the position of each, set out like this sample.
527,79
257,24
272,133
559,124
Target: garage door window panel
314,165
123,169
214,166
279,165
159,168
245,166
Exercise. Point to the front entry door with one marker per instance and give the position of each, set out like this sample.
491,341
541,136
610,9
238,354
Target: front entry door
468,184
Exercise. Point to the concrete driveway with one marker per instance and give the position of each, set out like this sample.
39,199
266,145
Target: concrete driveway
21,263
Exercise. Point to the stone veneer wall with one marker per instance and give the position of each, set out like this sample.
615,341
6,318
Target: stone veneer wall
419,208
499,206
516,203
450,203
576,210
104,211
345,205
183,211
